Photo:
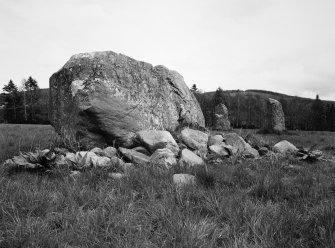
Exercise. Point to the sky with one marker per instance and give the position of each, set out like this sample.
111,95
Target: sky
286,46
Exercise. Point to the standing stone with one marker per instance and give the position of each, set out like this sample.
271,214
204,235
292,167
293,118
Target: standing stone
221,120
104,98
275,120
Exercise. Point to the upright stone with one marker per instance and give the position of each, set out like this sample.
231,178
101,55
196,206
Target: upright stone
105,98
221,120
275,120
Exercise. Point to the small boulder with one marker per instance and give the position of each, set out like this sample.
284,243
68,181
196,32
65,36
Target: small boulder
236,141
189,158
155,139
284,147
75,174
116,176
117,162
194,139
86,159
98,151
215,140
110,151
101,162
163,158
250,152
142,149
181,180
134,156
219,150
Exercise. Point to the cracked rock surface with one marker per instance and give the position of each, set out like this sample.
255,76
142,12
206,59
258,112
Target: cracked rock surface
105,97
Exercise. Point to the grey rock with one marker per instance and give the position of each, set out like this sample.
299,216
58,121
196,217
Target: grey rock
134,156
116,176
181,180
250,152
188,158
110,151
219,150
221,119
163,158
285,147
97,151
194,139
105,98
275,119
142,149
155,139
236,141
215,140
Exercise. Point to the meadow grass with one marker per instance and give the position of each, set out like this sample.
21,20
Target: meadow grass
272,202
18,137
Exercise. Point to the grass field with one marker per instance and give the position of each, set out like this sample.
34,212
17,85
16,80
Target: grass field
273,202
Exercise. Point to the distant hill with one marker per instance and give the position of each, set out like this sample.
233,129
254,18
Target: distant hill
247,108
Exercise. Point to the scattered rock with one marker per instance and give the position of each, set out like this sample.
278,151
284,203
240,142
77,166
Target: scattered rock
284,147
275,120
116,176
221,120
110,152
75,174
142,149
117,162
188,158
194,139
236,141
250,152
154,140
219,150
101,162
215,140
134,156
163,158
107,97
181,180
98,151
86,159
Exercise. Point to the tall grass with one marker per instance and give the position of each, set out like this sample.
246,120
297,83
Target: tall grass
273,202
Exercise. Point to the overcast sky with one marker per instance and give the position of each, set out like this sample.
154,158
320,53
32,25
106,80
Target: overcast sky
286,46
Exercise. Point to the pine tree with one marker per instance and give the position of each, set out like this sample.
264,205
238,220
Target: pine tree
12,101
318,114
32,97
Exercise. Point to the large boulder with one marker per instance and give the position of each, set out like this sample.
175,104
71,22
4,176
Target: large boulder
221,120
275,119
105,98
154,139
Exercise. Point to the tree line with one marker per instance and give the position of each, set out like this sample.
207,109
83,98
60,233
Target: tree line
23,104
247,109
